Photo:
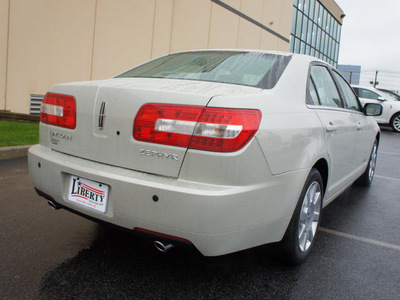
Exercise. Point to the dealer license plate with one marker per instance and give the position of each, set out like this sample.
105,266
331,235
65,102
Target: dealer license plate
88,193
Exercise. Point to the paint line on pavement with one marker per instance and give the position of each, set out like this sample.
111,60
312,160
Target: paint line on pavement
388,178
361,239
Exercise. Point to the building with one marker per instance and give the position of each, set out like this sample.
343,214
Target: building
44,42
316,28
351,73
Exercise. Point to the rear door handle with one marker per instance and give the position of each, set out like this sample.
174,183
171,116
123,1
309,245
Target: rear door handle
330,127
359,126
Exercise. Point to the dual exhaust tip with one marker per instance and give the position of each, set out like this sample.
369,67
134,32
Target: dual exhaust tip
160,246
53,205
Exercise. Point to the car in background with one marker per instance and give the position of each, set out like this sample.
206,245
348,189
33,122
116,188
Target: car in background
222,149
390,106
391,94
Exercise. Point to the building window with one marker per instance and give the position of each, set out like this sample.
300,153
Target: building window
315,31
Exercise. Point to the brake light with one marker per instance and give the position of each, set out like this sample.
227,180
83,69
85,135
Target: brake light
58,110
196,127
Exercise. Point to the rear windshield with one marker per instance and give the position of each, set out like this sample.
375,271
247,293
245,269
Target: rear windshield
244,68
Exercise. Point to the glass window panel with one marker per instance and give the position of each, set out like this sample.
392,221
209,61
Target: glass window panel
318,38
235,67
364,93
324,19
320,15
291,45
337,52
314,35
321,46
326,45
306,5
330,50
312,52
311,10
307,50
298,23
325,87
297,46
349,98
309,31
300,4
338,33
304,28
328,23
331,26
335,25
316,11
302,47
293,30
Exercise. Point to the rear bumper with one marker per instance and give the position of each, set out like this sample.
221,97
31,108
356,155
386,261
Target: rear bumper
216,219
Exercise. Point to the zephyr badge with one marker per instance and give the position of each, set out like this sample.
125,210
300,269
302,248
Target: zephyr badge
102,115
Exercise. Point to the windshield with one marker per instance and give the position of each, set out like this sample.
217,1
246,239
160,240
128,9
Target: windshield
236,67
392,95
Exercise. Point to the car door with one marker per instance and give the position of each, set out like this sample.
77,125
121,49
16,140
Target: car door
339,127
364,134
368,96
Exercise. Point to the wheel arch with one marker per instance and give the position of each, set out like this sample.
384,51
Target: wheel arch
393,115
322,167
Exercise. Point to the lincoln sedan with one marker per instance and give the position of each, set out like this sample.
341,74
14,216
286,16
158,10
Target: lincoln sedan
224,150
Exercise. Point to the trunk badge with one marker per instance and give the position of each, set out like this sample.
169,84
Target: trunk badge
102,115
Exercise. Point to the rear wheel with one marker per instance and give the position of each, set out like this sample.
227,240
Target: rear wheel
368,175
300,235
395,122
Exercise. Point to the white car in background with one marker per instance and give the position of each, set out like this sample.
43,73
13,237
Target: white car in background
222,149
390,106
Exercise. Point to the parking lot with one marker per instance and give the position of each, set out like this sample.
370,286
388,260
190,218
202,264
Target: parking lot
47,254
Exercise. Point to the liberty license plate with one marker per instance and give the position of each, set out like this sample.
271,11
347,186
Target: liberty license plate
89,193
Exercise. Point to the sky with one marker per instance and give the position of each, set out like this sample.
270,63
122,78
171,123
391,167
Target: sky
371,38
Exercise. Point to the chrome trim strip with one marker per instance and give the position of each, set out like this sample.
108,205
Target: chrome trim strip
102,115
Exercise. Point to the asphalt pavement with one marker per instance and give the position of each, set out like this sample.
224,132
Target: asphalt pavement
47,254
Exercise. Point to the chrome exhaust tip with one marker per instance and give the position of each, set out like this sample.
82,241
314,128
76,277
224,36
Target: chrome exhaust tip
160,246
53,205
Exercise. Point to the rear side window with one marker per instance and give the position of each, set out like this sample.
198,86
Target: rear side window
325,87
363,93
261,70
349,98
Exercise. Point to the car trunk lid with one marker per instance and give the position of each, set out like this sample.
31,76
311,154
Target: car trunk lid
105,115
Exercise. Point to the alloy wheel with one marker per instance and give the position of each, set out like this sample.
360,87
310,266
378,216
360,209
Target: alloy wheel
309,216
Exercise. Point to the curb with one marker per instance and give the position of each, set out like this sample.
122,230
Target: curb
17,117
14,152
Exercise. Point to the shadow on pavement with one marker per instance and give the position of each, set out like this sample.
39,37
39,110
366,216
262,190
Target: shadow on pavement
119,265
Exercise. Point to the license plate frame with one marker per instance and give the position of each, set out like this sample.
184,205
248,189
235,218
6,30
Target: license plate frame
88,193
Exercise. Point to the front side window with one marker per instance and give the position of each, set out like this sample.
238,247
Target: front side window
349,98
363,93
236,67
325,87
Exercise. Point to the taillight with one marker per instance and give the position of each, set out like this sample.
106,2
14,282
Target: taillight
58,110
196,127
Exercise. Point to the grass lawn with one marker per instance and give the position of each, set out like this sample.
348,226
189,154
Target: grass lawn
17,133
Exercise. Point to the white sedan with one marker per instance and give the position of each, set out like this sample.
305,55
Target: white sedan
390,106
222,149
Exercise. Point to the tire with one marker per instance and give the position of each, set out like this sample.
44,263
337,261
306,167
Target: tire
303,227
395,122
368,175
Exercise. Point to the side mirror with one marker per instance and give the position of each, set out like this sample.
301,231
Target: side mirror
381,99
372,109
